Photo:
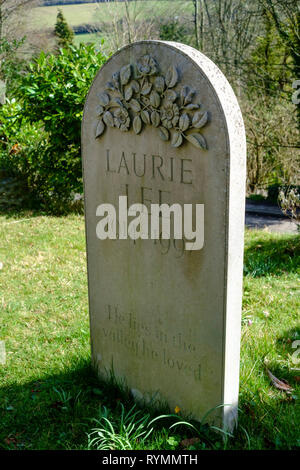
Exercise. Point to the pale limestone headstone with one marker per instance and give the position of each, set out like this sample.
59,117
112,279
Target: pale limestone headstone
162,125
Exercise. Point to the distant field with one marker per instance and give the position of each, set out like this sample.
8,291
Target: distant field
104,12
74,14
92,37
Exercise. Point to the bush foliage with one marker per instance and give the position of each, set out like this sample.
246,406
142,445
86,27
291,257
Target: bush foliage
44,125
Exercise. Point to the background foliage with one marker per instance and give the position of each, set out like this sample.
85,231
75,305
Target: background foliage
44,124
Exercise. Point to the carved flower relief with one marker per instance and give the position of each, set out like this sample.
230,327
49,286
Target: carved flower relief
147,66
122,119
140,96
169,115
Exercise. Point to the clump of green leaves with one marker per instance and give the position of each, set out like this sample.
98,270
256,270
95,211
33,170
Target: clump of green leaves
51,98
121,434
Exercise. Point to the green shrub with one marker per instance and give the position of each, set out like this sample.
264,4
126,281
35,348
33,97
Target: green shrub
172,30
21,146
46,125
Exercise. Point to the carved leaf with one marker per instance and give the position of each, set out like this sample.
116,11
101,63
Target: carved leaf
137,124
184,122
155,118
125,74
145,117
197,140
118,102
146,88
192,106
171,77
128,93
163,133
100,128
135,86
183,93
99,110
108,119
199,120
159,84
186,94
171,95
104,99
110,86
176,139
155,99
115,80
135,105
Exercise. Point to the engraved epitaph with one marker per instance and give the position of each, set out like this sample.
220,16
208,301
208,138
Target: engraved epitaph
162,125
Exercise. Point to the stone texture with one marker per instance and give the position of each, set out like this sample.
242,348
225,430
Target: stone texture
166,319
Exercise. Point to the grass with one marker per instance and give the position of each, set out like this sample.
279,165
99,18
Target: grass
84,38
50,397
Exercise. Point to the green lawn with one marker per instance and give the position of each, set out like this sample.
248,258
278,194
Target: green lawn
84,38
48,392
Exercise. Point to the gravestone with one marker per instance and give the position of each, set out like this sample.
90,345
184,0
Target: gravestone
162,125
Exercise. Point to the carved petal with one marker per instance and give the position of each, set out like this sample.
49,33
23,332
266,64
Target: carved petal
197,140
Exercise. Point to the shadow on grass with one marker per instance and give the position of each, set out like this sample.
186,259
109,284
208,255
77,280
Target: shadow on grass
272,256
55,412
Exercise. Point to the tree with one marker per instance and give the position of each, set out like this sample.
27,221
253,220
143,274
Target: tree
286,18
63,32
9,8
11,38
